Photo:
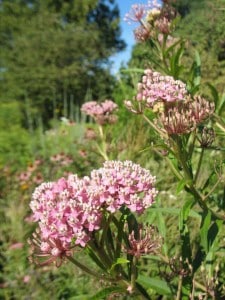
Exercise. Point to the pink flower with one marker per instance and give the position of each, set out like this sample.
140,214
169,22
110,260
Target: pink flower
16,246
49,251
136,14
142,33
124,184
26,278
103,113
156,88
24,176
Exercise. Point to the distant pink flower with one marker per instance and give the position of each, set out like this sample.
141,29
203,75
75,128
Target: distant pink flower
38,162
61,159
16,246
31,168
29,219
90,134
24,176
38,178
83,153
26,278
102,112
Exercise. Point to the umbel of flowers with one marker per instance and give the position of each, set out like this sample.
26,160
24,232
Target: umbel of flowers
71,210
176,111
103,113
153,19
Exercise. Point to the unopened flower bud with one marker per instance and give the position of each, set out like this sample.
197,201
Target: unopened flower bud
207,137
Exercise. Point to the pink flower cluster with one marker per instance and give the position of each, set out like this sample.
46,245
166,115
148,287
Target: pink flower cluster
101,112
139,11
156,87
61,159
71,209
154,18
31,175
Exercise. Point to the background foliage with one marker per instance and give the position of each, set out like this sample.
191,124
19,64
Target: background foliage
55,55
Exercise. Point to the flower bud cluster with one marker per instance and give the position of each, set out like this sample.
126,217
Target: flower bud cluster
176,121
184,118
69,210
146,241
103,113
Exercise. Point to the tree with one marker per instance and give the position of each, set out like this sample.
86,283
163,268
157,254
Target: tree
203,25
54,50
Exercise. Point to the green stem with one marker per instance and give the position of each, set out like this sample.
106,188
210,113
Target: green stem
199,165
182,157
179,288
219,122
172,167
176,173
133,272
212,189
142,291
103,154
161,133
102,151
191,143
202,287
106,238
101,254
165,36
86,269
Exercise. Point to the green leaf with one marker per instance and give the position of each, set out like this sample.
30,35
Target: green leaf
215,94
171,48
95,258
119,261
184,213
206,221
160,221
197,69
213,234
181,186
184,231
132,70
156,284
173,211
221,104
175,60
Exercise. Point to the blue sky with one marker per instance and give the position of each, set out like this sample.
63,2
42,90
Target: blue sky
127,34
